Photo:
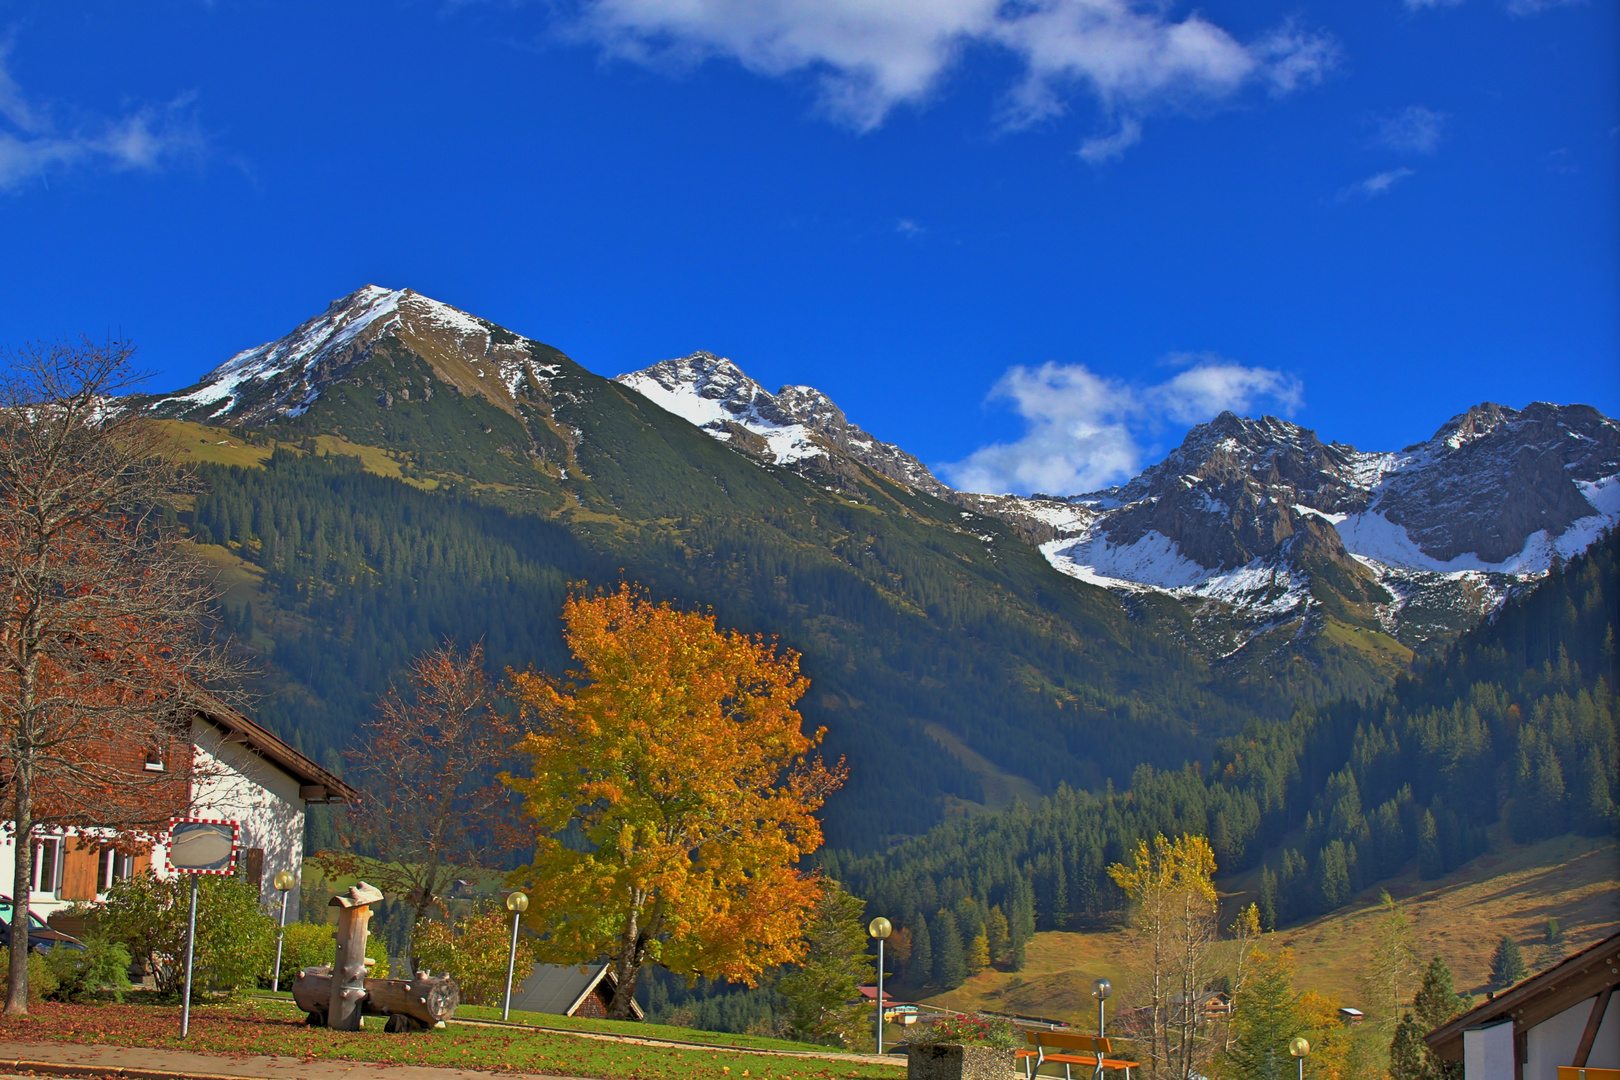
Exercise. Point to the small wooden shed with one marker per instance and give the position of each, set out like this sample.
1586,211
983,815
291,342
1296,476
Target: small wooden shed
570,990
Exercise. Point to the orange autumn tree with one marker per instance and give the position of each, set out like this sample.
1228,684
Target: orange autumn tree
673,793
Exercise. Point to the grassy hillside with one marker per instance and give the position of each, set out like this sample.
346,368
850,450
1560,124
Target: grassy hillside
1512,889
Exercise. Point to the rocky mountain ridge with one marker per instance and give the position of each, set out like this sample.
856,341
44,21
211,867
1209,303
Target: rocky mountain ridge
1256,525
1264,535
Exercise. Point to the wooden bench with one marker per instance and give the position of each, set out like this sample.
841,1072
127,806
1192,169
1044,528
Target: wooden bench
1067,1049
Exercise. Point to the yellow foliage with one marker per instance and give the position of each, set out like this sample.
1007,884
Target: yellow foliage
675,754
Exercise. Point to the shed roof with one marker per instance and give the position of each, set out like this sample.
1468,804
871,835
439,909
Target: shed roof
1540,997
561,988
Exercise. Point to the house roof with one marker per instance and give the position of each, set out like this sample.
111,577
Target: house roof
315,784
1538,998
562,988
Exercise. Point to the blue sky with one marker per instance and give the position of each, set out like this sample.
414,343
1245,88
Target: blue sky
1029,242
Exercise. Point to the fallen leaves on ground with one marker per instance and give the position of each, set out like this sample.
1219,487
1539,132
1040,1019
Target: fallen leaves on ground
244,1029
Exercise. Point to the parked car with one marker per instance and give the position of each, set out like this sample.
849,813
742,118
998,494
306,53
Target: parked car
41,936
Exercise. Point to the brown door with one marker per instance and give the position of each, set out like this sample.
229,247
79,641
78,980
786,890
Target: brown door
81,859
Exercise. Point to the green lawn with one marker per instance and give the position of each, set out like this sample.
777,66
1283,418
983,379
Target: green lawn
271,1027
634,1028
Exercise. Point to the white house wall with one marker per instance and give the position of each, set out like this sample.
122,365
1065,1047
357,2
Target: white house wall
238,784
1552,1043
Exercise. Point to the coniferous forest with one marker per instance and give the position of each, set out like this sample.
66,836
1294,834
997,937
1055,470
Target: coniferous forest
1515,723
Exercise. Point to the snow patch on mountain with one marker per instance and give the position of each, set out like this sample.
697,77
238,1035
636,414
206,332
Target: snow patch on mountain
710,392
1151,562
326,333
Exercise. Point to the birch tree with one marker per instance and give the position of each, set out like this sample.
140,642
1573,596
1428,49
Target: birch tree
1171,888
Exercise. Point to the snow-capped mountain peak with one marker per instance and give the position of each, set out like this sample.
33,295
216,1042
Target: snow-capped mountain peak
797,425
284,377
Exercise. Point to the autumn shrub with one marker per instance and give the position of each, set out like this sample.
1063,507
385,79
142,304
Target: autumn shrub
41,980
81,973
313,945
472,951
236,941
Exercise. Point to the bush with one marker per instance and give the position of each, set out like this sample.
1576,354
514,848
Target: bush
41,980
236,941
312,945
473,951
81,973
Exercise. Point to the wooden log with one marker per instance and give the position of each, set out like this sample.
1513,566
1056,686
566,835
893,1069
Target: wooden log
425,1000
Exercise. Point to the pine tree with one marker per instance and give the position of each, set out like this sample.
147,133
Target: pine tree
1335,875
835,966
1431,858
1507,964
978,953
1268,899
950,960
920,969
1436,1002
1595,815
999,936
1265,1016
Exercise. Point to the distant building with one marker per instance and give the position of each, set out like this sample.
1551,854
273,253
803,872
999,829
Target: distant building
1349,1015
246,774
1562,1024
570,990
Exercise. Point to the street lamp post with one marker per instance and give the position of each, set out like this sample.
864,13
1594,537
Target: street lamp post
517,903
1299,1048
284,881
880,929
1100,989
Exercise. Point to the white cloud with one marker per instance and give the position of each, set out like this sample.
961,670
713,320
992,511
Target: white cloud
1419,5
32,144
1104,148
870,56
1374,186
1084,431
1415,130
909,229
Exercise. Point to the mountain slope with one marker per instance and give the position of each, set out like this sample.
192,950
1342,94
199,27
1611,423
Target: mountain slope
913,615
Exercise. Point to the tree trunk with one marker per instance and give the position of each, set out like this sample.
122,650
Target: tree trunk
22,883
349,972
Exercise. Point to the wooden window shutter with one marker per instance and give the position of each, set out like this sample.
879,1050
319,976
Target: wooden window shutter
80,861
255,867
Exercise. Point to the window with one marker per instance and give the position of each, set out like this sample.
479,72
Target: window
113,867
47,865
154,761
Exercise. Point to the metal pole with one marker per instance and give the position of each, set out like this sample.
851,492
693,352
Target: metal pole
1102,1015
191,943
880,995
1301,1068
511,965
281,933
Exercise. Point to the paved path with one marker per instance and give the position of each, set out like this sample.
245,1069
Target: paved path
134,1063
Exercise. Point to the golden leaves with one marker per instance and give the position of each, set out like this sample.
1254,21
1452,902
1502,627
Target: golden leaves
675,752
